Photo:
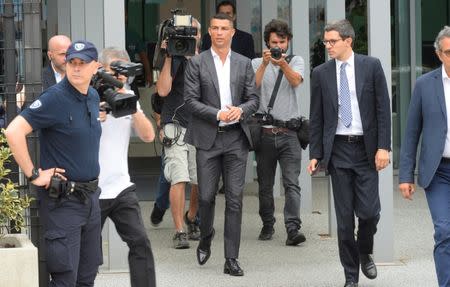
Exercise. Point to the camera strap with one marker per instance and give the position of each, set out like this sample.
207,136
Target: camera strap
277,85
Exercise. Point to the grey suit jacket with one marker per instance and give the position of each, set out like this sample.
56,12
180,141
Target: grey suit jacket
202,96
427,117
374,108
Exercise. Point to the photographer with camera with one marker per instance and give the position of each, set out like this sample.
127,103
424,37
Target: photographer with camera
118,199
66,116
280,121
179,159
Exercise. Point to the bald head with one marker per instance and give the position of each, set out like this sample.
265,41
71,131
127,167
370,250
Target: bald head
57,47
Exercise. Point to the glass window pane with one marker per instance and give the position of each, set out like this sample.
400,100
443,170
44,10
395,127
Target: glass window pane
356,13
316,25
255,25
401,72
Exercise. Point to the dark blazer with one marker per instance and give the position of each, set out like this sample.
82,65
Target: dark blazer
241,43
427,116
48,77
374,107
202,96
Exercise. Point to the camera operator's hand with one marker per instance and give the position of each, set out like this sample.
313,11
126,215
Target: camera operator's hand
164,44
279,62
266,57
102,113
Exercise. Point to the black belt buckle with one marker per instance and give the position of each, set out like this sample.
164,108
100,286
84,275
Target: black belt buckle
352,139
222,129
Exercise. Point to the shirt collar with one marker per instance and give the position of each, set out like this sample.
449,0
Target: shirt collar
73,91
350,61
445,77
216,56
55,72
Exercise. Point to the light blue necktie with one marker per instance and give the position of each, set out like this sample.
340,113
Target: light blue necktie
345,104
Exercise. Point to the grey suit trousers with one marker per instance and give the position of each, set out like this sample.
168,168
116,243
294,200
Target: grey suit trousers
227,157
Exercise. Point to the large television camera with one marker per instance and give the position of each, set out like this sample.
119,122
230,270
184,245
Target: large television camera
180,36
118,104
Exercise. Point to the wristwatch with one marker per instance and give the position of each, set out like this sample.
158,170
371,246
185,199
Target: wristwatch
34,174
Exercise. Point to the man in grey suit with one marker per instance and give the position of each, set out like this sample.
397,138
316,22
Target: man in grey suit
56,70
428,116
350,135
220,92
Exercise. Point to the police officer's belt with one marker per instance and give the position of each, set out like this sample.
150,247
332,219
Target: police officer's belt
90,186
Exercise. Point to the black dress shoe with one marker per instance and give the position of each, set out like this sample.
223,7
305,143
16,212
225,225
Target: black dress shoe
295,238
204,248
232,267
368,267
351,284
266,233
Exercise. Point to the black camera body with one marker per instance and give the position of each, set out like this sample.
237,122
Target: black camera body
276,53
118,104
180,36
128,69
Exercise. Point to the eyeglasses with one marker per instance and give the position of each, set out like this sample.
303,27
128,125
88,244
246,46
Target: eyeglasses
332,42
446,53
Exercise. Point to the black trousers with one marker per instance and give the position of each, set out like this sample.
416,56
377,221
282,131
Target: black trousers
355,191
285,149
125,212
227,157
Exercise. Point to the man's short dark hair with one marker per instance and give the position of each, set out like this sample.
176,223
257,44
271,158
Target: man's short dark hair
226,3
278,27
223,16
343,27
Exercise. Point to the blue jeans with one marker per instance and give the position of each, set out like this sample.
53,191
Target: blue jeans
163,188
285,149
438,197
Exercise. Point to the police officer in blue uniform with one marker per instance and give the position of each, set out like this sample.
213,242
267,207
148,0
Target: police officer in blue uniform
67,118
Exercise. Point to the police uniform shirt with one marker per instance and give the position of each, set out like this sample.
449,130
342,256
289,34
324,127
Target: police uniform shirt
69,130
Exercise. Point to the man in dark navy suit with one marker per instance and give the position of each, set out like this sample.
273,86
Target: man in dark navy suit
428,118
350,134
56,70
242,42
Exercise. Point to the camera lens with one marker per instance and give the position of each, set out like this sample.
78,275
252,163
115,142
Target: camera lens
180,46
276,53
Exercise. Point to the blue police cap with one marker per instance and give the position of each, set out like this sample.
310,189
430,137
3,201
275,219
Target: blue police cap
83,50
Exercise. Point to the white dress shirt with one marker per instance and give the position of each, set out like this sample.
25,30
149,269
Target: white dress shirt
58,76
446,82
223,77
355,127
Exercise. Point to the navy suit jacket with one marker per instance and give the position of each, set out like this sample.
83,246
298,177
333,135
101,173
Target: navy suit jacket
48,77
202,96
241,43
373,101
427,117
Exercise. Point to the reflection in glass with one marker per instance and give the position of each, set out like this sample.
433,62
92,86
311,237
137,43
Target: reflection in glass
255,25
356,13
434,15
316,25
401,72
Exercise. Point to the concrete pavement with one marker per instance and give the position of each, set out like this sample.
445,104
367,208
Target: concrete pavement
315,263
